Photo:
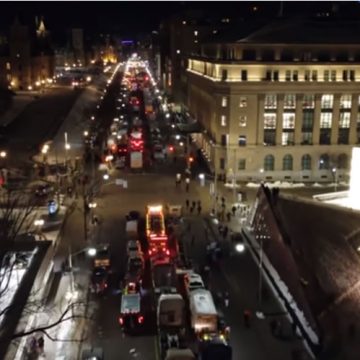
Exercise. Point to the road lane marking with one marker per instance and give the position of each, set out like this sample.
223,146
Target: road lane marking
156,341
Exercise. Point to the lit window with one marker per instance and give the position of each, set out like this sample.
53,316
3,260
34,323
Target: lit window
196,33
243,102
242,140
8,67
344,121
270,102
287,138
224,101
242,120
270,121
345,101
287,75
307,75
223,120
325,120
327,101
289,101
288,120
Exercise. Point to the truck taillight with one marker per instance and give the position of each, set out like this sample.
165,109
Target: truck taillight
140,319
150,252
121,321
167,252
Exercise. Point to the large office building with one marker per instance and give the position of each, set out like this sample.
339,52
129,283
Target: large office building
280,104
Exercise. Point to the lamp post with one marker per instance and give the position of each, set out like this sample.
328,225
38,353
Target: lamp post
334,172
91,251
67,147
39,223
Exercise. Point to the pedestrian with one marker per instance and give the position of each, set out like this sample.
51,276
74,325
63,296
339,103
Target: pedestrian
212,212
187,203
187,186
228,216
233,209
247,317
199,209
226,299
222,200
225,232
40,343
193,204
95,220
220,229
188,229
199,203
191,209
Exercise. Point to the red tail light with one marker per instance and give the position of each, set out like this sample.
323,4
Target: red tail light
140,319
167,252
121,321
150,252
105,285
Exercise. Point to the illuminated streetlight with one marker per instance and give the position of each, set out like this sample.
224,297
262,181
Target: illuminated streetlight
39,222
106,176
67,146
92,205
3,154
86,133
240,248
91,251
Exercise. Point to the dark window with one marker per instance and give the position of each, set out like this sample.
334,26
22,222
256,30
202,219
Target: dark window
324,162
314,75
223,140
242,140
343,56
269,137
222,163
345,75
224,75
323,56
307,75
343,138
325,136
268,75
268,55
249,54
306,162
242,164
244,75
295,75
287,55
276,75
269,163
352,75
308,120
343,162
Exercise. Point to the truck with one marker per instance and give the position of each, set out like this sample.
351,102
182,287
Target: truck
136,160
204,317
132,229
170,321
102,257
214,349
130,316
164,278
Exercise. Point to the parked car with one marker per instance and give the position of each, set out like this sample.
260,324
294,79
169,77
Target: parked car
133,246
44,190
99,280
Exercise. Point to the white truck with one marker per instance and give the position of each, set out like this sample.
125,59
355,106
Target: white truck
170,322
136,160
204,317
132,229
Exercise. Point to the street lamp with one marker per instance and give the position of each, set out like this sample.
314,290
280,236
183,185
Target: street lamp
86,133
39,223
240,247
334,172
91,251
3,154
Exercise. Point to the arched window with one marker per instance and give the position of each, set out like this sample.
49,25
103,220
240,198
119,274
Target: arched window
287,162
306,162
269,163
324,162
343,162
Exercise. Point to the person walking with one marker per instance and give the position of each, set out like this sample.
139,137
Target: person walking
225,232
187,184
193,204
233,210
228,216
191,209
199,209
40,343
226,299
187,203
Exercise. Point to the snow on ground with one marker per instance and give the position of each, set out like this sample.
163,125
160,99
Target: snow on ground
288,185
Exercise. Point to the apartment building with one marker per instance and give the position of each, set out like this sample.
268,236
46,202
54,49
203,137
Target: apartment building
280,104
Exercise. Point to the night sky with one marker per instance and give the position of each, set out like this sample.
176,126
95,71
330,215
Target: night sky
131,17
